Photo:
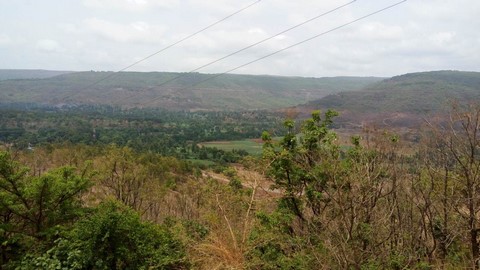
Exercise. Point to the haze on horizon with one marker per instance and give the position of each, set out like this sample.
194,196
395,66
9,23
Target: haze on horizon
112,34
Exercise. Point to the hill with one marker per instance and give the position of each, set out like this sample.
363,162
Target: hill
14,74
404,97
145,89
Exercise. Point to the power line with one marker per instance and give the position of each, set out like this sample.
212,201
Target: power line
171,45
240,50
291,46
255,44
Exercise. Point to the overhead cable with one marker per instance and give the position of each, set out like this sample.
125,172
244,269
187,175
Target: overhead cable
289,47
171,45
256,43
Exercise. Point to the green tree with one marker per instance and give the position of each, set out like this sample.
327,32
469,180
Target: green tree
113,237
341,199
33,209
297,165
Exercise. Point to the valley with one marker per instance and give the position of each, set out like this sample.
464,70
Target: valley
246,172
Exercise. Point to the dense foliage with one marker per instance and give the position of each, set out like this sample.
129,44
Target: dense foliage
87,216
113,237
169,133
310,202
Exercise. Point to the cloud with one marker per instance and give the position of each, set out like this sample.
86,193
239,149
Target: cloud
130,5
379,32
111,34
48,45
442,38
68,27
139,31
220,8
223,42
5,40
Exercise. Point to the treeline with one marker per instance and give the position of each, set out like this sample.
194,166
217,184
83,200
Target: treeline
165,132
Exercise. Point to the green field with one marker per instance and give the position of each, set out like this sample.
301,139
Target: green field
200,162
251,146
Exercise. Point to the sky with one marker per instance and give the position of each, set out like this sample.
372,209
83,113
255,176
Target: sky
109,35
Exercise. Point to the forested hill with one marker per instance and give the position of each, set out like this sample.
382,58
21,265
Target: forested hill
148,89
415,93
401,101
12,74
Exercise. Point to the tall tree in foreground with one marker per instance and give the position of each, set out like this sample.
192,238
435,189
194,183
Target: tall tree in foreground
33,209
341,204
460,144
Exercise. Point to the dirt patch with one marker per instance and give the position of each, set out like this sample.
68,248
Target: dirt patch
249,179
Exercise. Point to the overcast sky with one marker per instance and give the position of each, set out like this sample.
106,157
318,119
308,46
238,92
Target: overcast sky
418,35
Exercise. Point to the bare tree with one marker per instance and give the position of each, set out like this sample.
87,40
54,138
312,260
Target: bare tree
458,143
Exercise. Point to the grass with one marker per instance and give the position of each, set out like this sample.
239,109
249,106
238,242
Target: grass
251,146
201,161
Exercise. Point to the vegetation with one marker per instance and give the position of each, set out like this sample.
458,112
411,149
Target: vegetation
403,101
250,146
138,89
169,133
53,219
17,74
113,237
372,205
417,92
102,187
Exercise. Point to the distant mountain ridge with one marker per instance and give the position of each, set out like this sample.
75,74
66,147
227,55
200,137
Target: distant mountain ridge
145,89
405,96
16,74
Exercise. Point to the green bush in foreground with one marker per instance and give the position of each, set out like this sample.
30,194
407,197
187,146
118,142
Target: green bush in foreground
113,237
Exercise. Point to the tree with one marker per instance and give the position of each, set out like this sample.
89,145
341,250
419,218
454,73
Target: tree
34,208
459,143
296,166
113,237
343,198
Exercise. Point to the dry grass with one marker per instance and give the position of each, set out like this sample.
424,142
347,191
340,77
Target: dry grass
218,252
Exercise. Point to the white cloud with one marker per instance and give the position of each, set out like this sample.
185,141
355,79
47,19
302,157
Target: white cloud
379,31
5,40
213,45
442,38
68,27
130,5
112,34
224,7
139,31
48,45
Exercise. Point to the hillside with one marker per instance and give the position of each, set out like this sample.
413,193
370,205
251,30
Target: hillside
15,74
144,89
406,96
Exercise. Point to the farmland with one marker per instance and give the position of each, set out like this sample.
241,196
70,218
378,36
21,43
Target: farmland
252,146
